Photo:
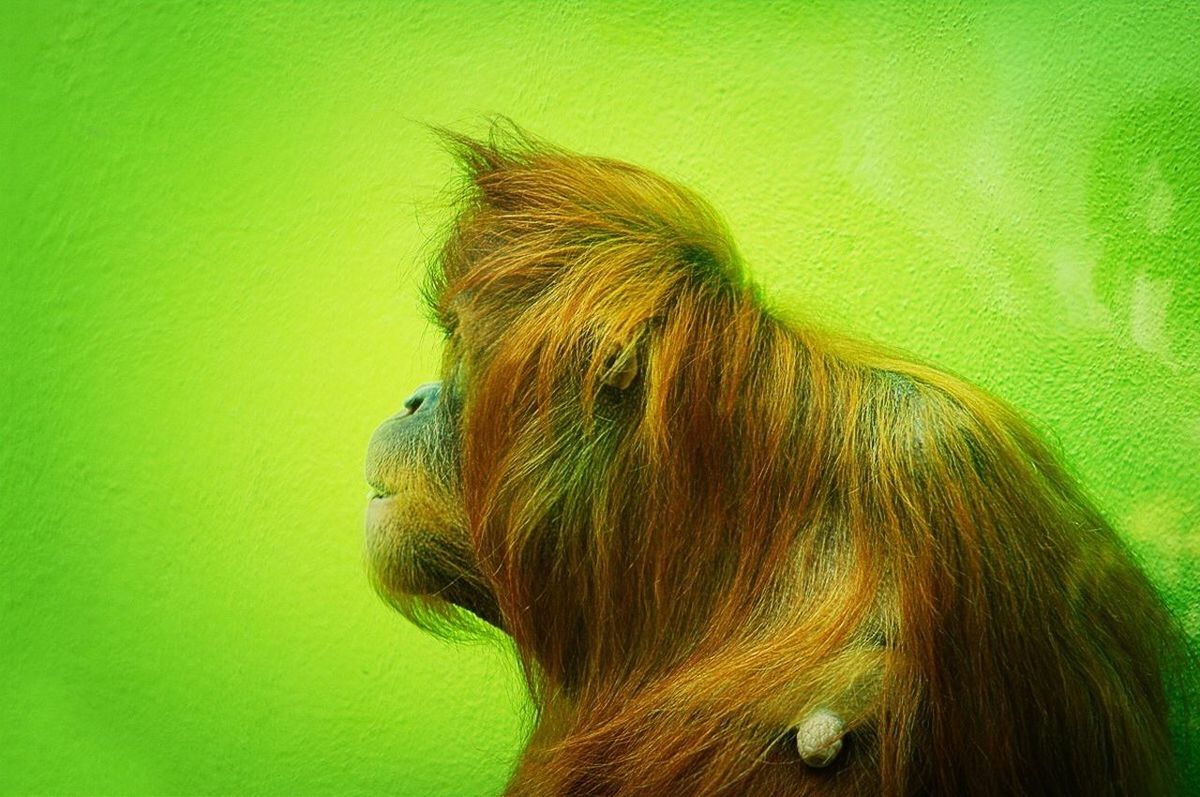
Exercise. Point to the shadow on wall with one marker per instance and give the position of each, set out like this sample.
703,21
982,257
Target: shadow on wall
1143,202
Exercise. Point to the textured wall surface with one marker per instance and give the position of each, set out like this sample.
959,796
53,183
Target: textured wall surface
213,219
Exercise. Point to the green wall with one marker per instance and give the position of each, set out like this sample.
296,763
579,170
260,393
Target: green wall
213,219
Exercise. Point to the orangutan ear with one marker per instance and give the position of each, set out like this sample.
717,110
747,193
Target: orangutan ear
621,366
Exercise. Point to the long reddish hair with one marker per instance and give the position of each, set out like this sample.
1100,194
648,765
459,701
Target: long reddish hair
763,519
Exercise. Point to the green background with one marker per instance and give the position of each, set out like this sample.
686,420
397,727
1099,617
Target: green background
214,219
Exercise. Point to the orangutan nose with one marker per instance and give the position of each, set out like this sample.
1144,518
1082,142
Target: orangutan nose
424,398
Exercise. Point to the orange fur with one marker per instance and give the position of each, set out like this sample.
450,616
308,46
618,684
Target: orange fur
700,521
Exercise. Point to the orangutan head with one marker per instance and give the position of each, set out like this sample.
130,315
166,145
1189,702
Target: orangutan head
738,555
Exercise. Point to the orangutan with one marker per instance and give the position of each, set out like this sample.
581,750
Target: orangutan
738,555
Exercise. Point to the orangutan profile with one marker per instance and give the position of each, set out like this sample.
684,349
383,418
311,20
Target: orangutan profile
738,555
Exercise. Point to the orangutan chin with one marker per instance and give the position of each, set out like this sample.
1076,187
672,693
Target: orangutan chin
737,555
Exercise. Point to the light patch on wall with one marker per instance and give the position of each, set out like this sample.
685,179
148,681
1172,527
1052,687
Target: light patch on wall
988,167
1148,313
867,157
1075,278
988,174
1159,522
1157,202
1160,514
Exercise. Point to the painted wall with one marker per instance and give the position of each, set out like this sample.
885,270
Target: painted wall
213,218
